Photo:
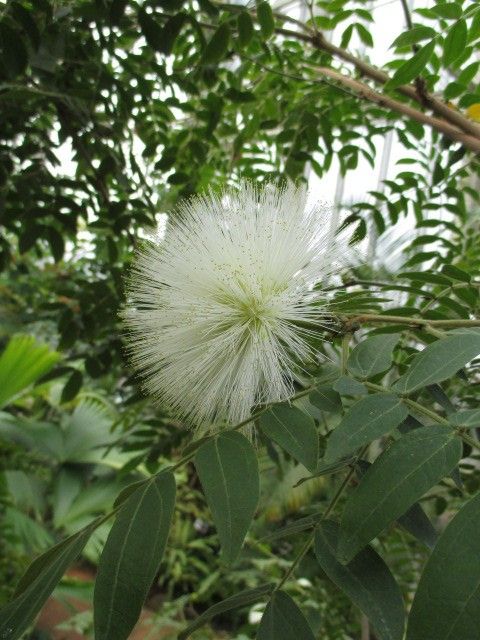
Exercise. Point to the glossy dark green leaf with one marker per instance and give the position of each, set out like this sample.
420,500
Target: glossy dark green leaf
72,386
294,431
25,18
38,583
245,28
242,599
283,620
131,557
217,46
367,419
13,53
209,7
447,601
397,479
440,360
265,19
151,30
412,68
117,10
170,32
326,399
366,580
455,42
373,355
228,470
56,242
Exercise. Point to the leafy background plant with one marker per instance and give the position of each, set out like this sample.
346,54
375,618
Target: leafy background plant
160,100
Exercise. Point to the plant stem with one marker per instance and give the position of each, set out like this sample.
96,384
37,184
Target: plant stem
429,413
344,353
387,319
333,503
296,561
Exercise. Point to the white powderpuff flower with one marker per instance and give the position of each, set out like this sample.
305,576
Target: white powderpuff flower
219,310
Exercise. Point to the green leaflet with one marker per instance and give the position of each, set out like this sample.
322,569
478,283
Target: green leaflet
265,19
346,386
455,42
414,520
412,68
469,418
373,355
242,599
447,602
283,620
245,28
38,583
397,479
366,580
294,431
217,47
413,36
131,557
228,470
367,419
326,399
440,360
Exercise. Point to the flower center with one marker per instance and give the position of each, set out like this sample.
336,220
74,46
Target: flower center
257,313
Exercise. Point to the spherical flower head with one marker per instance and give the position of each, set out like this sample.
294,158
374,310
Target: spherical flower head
219,311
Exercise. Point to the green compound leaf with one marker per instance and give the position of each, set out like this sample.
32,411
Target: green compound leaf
397,479
294,431
242,599
131,557
373,355
447,602
39,581
366,580
283,620
367,419
228,470
412,68
440,360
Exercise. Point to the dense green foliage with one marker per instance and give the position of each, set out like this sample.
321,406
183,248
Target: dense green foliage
346,490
